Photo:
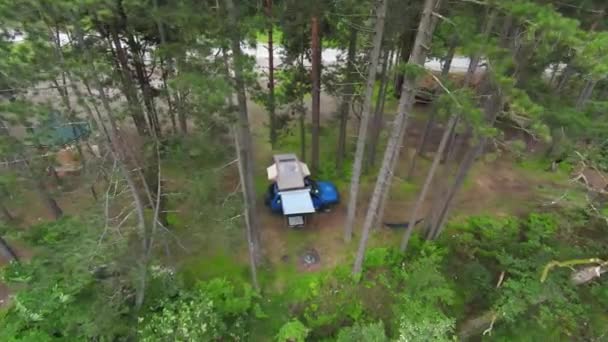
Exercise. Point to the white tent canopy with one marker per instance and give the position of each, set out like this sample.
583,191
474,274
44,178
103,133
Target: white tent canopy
288,172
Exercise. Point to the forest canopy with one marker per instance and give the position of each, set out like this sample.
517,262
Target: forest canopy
451,169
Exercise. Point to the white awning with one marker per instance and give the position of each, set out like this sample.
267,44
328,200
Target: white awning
297,202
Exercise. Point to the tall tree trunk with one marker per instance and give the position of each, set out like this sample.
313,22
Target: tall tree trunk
245,142
144,85
302,119
376,124
430,123
120,153
365,114
316,91
271,99
492,108
45,196
423,39
449,56
64,93
250,239
170,104
427,183
8,217
166,66
565,76
7,252
554,71
180,100
48,200
182,118
476,57
407,45
128,85
347,98
585,94
451,147
505,32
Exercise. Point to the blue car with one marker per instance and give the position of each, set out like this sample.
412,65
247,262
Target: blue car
323,194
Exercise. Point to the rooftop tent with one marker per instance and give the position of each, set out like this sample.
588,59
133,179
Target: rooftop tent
297,202
288,172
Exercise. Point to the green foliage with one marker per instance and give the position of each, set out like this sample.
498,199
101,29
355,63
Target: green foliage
418,312
520,248
212,310
425,326
65,287
292,331
372,332
189,318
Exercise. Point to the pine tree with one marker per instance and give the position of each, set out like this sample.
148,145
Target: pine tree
423,39
367,107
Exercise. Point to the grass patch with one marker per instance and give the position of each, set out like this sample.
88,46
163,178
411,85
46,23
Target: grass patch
539,169
207,267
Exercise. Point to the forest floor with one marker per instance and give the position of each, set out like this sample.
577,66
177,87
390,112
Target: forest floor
499,185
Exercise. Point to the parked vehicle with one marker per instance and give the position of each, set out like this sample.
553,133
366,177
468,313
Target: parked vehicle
294,194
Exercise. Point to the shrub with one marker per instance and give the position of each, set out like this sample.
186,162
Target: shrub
293,331
373,332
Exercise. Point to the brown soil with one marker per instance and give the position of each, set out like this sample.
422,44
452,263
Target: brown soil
596,180
323,233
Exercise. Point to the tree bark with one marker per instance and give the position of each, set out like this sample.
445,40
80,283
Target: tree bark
585,94
120,153
316,91
423,39
271,97
427,183
7,252
245,142
407,45
364,124
376,124
302,116
430,123
168,97
475,59
567,73
449,56
347,97
166,65
492,108
122,64
8,217
48,200
144,85
180,99
250,239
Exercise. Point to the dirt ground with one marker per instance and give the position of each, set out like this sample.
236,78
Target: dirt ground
497,187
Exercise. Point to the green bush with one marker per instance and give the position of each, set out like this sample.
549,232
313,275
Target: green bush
373,332
212,310
292,331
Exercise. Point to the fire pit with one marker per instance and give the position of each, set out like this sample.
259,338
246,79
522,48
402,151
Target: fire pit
310,258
